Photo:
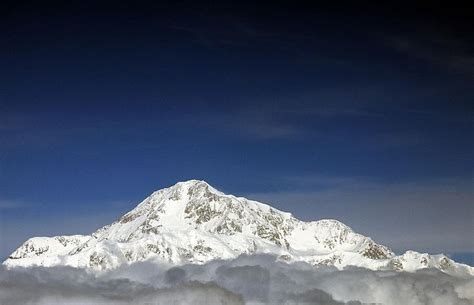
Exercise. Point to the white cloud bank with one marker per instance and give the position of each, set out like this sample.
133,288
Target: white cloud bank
245,280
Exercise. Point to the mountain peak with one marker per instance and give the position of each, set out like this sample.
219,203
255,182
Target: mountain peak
192,222
191,183
191,188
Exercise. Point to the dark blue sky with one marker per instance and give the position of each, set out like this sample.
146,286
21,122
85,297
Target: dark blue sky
361,114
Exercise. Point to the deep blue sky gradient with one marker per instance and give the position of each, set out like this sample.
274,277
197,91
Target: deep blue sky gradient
102,104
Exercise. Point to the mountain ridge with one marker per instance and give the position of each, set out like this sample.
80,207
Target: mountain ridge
192,222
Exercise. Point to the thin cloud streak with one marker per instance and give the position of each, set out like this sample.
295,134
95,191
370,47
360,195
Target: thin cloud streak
438,48
12,204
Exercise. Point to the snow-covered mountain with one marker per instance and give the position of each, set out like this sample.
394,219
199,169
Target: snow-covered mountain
192,222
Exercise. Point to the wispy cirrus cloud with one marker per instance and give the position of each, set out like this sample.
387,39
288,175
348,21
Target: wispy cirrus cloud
12,204
437,47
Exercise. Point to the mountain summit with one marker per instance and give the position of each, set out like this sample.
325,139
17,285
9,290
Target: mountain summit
192,222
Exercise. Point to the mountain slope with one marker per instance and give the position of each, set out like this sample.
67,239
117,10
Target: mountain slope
191,222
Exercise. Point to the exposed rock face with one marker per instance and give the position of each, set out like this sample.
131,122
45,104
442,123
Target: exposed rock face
375,251
191,222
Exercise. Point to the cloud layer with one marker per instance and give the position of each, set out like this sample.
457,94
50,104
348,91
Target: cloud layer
245,280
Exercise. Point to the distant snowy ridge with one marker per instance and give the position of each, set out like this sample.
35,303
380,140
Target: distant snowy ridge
192,222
